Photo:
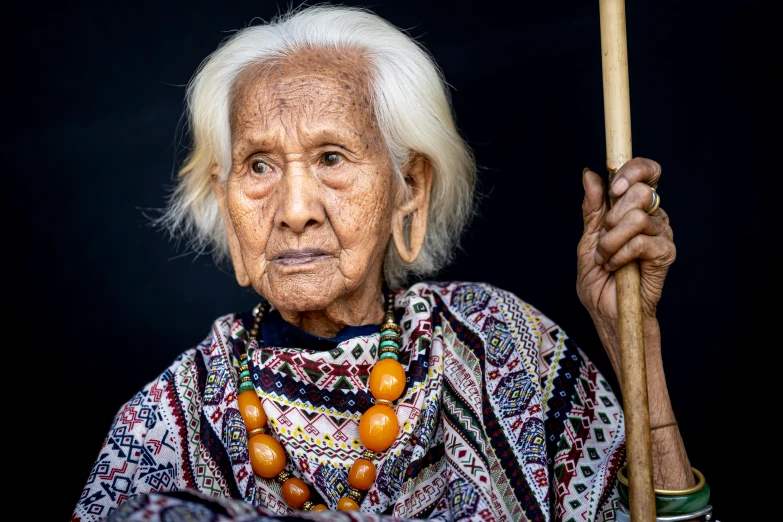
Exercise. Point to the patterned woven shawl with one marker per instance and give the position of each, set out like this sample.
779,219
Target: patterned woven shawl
503,418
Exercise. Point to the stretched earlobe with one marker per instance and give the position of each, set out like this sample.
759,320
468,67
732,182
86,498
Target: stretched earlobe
409,223
234,248
408,237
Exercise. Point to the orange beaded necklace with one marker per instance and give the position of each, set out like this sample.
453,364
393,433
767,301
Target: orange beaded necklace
378,427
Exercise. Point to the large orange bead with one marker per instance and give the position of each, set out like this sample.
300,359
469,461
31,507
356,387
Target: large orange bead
347,504
295,492
320,507
378,427
267,456
251,410
362,474
387,380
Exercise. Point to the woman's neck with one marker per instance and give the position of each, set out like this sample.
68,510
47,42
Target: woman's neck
354,310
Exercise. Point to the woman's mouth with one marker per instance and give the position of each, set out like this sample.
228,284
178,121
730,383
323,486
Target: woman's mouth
299,257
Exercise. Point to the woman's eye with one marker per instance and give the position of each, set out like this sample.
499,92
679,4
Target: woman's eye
259,167
332,159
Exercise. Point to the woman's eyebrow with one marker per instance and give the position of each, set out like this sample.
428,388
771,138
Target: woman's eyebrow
330,136
318,134
255,136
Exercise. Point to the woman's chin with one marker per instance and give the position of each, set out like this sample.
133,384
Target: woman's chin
304,287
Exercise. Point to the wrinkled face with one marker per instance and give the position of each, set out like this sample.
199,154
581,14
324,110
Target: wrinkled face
311,192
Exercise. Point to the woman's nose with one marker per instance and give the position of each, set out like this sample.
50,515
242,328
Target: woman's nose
300,205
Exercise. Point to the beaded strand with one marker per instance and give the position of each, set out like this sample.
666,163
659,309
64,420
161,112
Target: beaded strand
378,426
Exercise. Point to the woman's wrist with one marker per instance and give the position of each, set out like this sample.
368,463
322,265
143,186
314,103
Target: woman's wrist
609,335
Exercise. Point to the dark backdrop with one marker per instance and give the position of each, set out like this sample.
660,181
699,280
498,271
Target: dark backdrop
102,301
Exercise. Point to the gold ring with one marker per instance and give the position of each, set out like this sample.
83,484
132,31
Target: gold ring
670,492
656,202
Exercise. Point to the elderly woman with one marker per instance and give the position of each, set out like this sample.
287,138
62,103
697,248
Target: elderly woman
327,167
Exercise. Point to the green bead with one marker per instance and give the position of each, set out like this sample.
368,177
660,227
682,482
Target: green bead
246,386
390,343
388,332
389,355
245,373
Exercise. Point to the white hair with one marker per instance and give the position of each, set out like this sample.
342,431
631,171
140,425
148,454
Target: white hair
409,97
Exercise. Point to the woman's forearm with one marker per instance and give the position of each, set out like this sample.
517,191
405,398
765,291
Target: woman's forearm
671,467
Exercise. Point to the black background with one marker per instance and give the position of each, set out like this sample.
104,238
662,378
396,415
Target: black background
102,302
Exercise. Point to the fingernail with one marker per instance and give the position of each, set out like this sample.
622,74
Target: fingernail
584,172
619,186
599,260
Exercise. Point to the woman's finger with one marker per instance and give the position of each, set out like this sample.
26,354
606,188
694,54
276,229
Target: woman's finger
638,197
594,202
650,248
633,223
637,170
664,217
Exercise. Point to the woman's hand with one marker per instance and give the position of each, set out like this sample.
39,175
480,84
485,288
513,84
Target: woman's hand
616,236
612,238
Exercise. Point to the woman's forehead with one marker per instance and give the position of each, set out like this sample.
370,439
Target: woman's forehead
310,89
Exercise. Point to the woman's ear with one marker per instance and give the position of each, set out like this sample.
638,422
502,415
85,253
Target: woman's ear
409,222
233,241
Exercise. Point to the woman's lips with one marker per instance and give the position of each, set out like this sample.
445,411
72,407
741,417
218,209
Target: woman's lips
299,257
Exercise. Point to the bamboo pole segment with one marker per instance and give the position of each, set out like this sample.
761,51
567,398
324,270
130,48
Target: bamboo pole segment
617,118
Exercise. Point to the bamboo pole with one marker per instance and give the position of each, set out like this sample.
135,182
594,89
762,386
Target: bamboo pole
617,118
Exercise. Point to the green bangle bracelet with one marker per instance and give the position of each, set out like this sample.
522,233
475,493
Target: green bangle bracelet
674,504
700,483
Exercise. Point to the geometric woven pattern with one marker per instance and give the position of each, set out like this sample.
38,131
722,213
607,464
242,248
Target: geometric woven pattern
502,418
514,392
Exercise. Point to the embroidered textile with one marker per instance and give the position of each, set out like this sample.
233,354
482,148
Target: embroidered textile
503,418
